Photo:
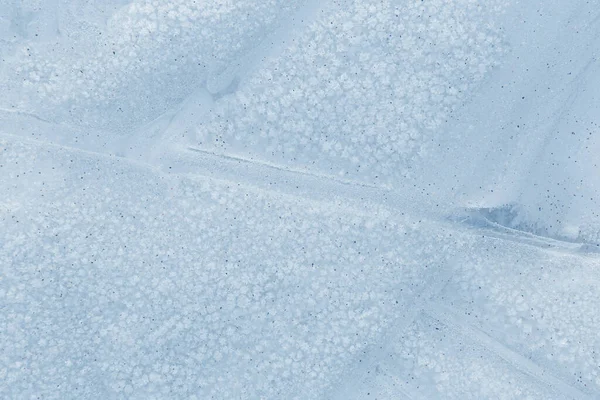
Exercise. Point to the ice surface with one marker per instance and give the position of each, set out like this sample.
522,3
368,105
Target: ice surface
345,199
361,91
190,284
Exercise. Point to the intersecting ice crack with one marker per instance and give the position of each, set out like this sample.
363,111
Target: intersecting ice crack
299,199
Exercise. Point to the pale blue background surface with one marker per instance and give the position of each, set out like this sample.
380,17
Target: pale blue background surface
299,199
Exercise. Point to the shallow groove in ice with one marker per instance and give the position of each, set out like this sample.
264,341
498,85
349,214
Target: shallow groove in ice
451,319
245,199
506,223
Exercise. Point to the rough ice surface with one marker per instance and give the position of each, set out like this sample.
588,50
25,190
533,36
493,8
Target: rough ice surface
336,199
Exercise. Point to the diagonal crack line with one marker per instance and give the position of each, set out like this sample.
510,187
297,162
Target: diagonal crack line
398,325
272,45
448,317
492,229
263,164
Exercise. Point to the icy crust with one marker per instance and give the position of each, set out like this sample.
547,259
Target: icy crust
542,304
590,233
147,57
43,21
437,362
120,282
362,90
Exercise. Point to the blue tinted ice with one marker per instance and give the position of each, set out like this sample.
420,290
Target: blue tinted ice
242,199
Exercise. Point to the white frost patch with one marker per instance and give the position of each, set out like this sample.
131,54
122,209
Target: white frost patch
361,91
125,282
540,303
147,57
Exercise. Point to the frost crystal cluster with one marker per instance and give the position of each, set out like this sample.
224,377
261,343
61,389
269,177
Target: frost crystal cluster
299,199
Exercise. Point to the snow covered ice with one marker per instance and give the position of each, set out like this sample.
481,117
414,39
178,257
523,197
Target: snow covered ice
336,199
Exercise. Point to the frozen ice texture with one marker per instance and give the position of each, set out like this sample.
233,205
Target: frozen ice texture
299,199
